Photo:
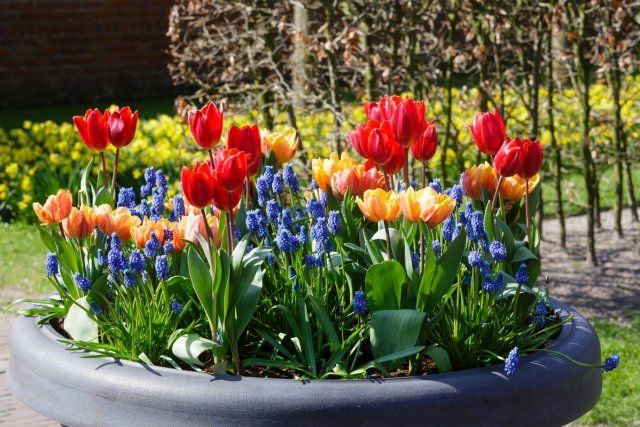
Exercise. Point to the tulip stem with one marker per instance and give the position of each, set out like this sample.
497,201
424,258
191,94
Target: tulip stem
115,172
424,174
495,195
104,170
386,231
211,158
207,227
386,180
405,169
248,190
526,210
230,230
61,230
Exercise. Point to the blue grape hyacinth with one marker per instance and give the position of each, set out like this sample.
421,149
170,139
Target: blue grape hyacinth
51,264
359,303
611,363
511,362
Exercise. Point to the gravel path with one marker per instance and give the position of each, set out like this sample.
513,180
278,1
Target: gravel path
610,290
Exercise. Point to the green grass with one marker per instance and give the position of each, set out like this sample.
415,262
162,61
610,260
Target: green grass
22,258
575,196
620,401
14,117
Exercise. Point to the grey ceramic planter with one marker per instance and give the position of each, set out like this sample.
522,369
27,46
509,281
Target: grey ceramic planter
546,390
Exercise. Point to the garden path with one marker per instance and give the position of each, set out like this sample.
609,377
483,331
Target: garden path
611,290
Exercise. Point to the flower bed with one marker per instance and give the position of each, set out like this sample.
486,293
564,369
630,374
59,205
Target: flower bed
243,271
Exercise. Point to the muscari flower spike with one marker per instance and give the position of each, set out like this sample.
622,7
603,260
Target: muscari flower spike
137,264
475,259
286,219
511,362
152,246
435,184
456,193
273,211
256,223
415,260
176,307
359,303
286,241
129,278
437,247
498,251
82,282
320,236
611,363
162,267
522,275
127,198
448,228
277,186
263,189
290,178
334,223
51,264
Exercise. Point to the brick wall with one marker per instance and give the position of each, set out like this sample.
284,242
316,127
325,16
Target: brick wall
67,50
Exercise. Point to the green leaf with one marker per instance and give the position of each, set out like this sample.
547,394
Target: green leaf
488,223
523,254
325,323
394,235
79,324
439,275
394,331
383,285
246,293
202,282
190,347
307,335
440,357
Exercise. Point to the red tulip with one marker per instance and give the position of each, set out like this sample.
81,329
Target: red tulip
407,121
373,141
426,145
93,129
122,126
394,165
223,199
488,131
206,125
359,137
509,160
247,139
230,168
383,109
198,185
532,158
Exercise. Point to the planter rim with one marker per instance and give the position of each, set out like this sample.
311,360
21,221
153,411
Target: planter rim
134,393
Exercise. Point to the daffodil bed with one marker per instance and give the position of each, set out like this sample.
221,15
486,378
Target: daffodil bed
244,271
41,157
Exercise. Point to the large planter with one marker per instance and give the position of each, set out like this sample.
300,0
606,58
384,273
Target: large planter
546,390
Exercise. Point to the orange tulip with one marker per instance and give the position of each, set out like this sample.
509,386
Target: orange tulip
357,179
477,177
379,205
141,233
513,188
80,222
323,169
409,201
55,209
435,208
123,220
283,144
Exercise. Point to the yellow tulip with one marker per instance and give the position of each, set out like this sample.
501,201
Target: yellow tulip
283,144
409,201
379,205
55,209
435,208
323,169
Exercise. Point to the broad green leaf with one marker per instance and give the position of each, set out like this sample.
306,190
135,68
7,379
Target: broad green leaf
306,335
190,347
523,254
394,331
246,294
394,235
437,279
440,357
383,285
202,282
79,324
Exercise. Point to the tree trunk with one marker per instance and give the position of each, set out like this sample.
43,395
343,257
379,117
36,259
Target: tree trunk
557,154
453,19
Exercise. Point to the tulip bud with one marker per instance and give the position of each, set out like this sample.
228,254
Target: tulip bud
94,129
80,222
197,184
508,160
230,168
247,139
55,209
122,126
206,125
532,155
488,131
427,144
407,121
